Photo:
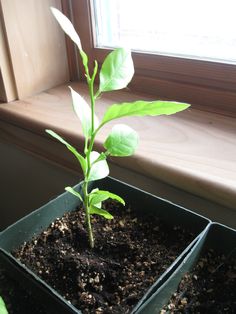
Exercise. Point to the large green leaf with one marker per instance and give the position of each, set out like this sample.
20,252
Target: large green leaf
117,70
143,108
79,157
83,112
69,29
75,193
100,169
122,141
99,196
100,212
3,309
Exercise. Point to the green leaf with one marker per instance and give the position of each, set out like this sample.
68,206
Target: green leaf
79,157
75,193
101,212
100,169
102,156
84,58
69,29
143,108
67,26
122,141
117,70
83,112
99,196
99,204
95,199
3,309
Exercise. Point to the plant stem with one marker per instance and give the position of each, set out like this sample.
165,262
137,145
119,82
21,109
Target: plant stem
91,93
90,82
87,214
88,150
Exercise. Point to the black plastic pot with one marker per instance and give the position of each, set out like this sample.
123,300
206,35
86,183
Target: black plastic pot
218,237
34,223
43,301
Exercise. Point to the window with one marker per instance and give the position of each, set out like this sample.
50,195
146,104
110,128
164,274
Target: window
169,73
208,85
193,29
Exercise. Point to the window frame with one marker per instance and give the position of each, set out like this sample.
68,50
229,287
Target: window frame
207,85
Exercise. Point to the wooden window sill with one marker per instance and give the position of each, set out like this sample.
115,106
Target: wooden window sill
192,150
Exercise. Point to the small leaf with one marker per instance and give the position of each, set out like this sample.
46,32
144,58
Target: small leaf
100,169
101,212
143,108
75,193
69,29
117,70
83,112
79,157
95,199
3,309
99,196
99,204
122,141
67,26
84,58
102,156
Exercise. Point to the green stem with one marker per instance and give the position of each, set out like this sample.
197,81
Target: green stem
91,93
88,149
86,146
91,143
87,214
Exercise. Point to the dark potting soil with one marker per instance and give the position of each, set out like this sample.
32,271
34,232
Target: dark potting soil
210,288
130,253
17,299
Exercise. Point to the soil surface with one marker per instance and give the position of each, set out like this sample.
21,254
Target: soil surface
18,300
210,288
130,253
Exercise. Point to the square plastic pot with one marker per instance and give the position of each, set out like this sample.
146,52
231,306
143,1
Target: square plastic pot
34,223
44,300
218,237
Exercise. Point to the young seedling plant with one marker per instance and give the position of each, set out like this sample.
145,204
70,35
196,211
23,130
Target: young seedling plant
116,72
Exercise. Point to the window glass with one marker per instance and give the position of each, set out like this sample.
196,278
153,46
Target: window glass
200,29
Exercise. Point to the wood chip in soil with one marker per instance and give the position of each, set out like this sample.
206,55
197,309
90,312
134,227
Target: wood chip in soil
210,288
130,253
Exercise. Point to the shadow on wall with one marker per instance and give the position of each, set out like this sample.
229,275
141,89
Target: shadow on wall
27,182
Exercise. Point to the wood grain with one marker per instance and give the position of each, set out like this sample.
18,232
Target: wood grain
192,150
207,86
7,83
36,44
204,98
72,50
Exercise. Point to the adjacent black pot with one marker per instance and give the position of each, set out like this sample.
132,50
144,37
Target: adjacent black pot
25,286
218,237
34,223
